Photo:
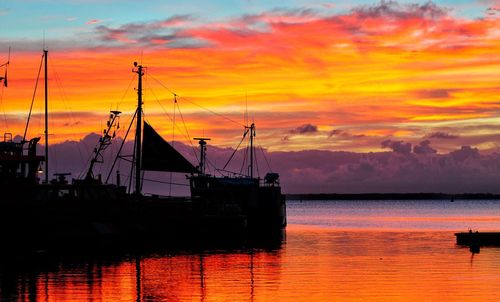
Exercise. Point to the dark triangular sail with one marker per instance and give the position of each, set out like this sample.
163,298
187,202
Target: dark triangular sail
158,155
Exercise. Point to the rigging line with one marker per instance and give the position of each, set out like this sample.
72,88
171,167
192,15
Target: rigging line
188,138
121,147
33,99
132,168
159,181
237,147
265,157
3,89
207,161
117,168
3,109
113,146
200,106
257,165
126,92
245,158
166,182
68,108
255,158
119,131
213,166
53,148
229,171
195,151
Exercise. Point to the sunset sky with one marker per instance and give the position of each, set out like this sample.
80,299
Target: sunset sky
330,75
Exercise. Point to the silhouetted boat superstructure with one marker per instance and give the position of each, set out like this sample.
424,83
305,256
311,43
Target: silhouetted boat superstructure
226,204
259,200
88,208
34,212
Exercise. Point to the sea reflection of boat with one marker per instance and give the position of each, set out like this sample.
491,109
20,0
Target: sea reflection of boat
154,274
89,208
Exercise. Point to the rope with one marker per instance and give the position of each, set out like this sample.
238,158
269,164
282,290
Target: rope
121,147
202,107
245,158
3,88
166,182
3,109
126,92
187,132
33,99
265,158
234,152
186,136
68,108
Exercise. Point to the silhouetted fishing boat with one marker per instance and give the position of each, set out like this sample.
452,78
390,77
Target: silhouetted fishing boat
35,211
89,208
216,204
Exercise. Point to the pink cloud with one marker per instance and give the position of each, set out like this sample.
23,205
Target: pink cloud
465,170
93,21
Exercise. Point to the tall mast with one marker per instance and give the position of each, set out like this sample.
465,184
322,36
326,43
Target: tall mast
45,54
252,135
138,129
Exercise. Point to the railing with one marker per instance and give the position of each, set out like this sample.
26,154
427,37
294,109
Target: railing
7,137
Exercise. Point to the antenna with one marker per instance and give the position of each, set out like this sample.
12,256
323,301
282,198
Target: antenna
246,109
203,152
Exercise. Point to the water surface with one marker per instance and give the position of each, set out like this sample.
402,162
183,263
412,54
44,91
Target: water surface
333,251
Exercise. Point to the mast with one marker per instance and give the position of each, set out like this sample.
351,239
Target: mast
252,135
138,129
104,142
203,152
45,54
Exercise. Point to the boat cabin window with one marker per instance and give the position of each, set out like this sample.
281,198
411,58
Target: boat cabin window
63,193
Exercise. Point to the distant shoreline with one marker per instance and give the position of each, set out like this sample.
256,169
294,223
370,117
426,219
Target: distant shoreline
393,196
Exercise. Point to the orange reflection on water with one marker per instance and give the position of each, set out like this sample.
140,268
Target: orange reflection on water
389,266
313,264
93,281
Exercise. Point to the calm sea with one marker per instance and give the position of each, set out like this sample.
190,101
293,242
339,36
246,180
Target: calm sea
332,251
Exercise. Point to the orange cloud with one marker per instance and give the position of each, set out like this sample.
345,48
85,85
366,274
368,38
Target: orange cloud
380,71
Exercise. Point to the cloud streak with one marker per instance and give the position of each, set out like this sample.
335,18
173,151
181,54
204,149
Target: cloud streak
164,32
463,170
441,135
388,71
305,129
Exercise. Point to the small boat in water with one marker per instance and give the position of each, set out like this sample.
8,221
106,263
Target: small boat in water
471,238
